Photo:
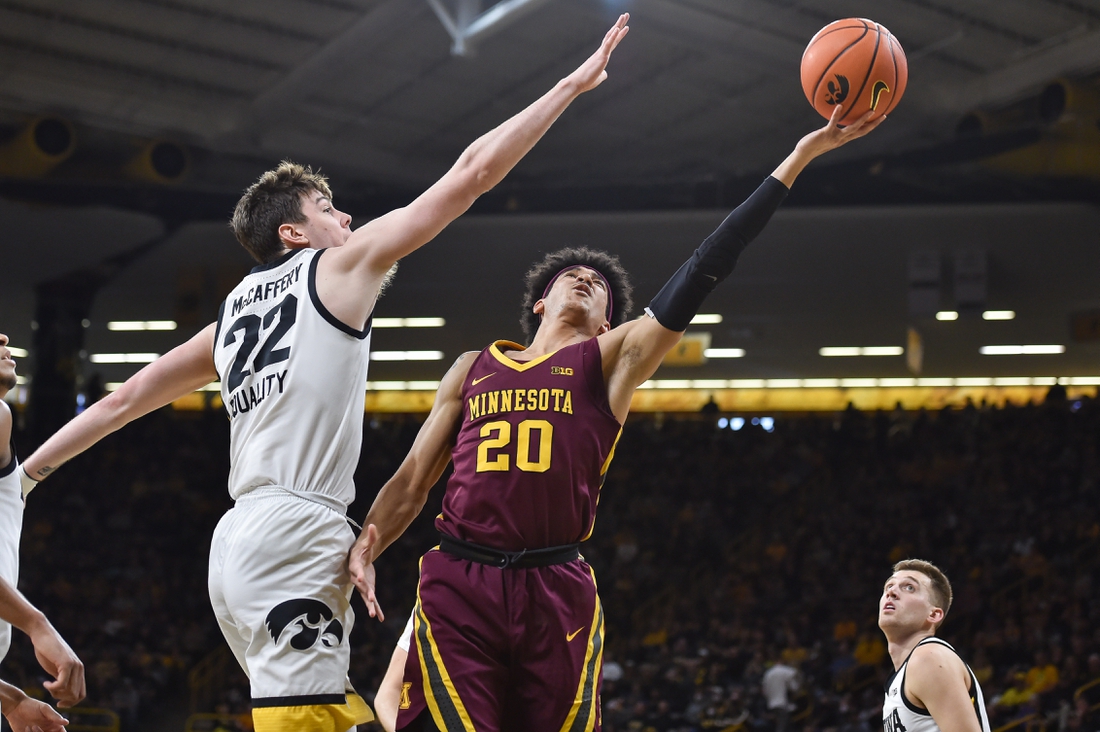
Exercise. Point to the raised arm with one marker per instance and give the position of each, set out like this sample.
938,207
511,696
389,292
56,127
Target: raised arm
55,655
633,351
361,263
179,372
402,497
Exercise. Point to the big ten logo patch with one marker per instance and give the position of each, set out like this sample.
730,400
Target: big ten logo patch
561,370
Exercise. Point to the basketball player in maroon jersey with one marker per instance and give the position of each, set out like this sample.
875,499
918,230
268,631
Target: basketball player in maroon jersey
508,629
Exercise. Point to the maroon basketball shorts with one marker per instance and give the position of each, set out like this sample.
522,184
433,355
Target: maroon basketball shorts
504,650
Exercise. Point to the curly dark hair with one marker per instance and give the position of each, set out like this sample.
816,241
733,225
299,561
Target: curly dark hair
540,275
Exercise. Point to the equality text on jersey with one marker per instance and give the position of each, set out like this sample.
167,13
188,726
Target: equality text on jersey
266,291
245,400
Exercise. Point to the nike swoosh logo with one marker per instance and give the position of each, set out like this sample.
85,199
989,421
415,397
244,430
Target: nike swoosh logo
876,92
573,635
475,382
711,277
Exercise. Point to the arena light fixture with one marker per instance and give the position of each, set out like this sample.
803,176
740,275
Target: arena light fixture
1037,350
847,351
999,315
406,356
17,352
124,357
408,323
724,353
402,385
706,319
947,315
141,325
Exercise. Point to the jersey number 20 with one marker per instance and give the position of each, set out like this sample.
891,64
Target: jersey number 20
251,324
499,435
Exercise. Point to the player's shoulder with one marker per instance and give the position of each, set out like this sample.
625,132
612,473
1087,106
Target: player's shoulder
461,367
934,656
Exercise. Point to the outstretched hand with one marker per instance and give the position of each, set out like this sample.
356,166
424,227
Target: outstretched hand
592,72
821,141
832,135
59,661
361,569
31,715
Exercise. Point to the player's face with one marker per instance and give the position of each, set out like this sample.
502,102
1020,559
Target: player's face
579,293
7,366
906,602
325,226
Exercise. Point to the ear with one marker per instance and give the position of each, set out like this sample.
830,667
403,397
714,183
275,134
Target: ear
293,237
539,308
936,616
604,328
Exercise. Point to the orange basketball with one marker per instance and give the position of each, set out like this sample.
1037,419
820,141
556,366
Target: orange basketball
856,63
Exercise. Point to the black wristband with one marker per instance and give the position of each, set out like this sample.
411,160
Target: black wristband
682,296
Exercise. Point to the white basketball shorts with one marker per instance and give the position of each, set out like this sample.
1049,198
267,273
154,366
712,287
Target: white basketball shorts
280,590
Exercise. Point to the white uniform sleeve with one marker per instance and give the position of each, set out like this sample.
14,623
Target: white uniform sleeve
406,637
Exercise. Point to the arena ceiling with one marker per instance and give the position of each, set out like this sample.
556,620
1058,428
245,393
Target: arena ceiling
1002,108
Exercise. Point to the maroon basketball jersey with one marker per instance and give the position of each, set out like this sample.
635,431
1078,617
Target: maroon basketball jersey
535,443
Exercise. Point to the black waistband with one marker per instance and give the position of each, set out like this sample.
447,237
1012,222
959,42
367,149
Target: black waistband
518,560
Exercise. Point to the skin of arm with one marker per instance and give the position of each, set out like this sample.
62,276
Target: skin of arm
633,351
28,715
55,655
937,680
179,372
361,264
5,434
389,691
402,497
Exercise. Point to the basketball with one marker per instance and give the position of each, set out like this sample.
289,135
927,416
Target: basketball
856,63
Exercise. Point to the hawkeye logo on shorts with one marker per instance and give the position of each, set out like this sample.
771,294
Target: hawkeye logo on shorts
309,616
563,370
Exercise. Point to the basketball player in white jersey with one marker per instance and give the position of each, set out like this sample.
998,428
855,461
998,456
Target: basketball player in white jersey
291,348
932,689
22,712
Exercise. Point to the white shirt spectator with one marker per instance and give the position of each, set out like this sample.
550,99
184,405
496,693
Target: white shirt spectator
778,682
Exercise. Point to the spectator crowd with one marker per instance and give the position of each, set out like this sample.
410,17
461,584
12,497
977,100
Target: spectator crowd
740,570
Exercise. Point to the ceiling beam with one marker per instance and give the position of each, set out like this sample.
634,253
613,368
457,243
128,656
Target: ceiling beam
1077,54
468,27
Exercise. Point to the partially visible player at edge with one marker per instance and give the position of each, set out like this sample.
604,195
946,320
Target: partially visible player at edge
932,690
291,349
531,432
23,713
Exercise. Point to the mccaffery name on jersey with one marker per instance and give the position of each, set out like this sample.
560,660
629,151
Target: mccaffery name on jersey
265,291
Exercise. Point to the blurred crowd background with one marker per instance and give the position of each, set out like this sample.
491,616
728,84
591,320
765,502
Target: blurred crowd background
740,570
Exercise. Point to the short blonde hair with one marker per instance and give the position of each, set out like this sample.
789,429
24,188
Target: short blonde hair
939,585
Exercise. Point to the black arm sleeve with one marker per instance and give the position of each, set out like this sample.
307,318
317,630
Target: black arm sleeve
682,296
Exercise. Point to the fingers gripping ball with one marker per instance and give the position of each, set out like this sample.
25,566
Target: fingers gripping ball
856,63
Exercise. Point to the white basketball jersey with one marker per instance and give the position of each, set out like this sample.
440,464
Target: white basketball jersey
293,379
901,715
11,526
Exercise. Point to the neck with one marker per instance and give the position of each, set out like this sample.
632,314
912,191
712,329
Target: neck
554,335
901,647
